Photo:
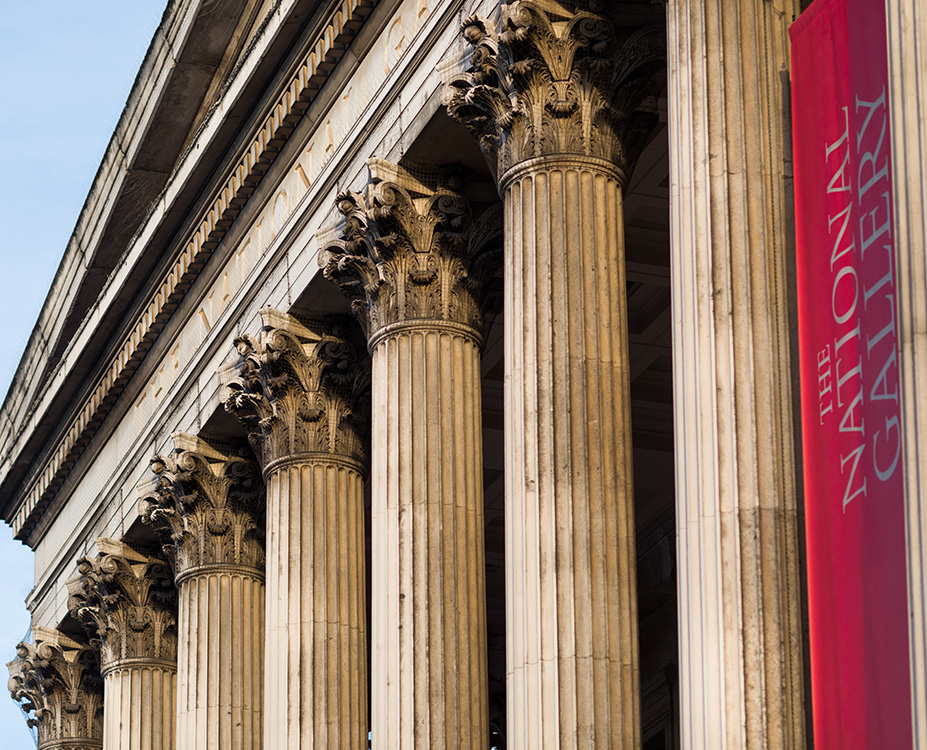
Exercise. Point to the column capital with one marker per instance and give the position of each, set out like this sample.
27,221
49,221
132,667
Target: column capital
560,79
127,603
58,681
411,252
301,391
207,506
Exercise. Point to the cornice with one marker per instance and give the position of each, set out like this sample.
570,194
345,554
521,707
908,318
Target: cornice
279,121
142,152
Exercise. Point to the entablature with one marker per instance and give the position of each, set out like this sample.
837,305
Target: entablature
266,253
270,90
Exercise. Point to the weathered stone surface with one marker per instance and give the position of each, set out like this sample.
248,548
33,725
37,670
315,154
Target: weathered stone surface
127,603
572,648
416,266
559,102
907,75
428,663
410,253
208,508
740,659
301,392
304,397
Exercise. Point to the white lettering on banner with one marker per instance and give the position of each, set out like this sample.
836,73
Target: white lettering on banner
862,367
825,384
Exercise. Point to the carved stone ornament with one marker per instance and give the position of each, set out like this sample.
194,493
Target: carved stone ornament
57,681
207,506
407,252
300,391
127,603
561,78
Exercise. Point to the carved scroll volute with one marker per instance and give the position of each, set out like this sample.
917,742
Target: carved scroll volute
127,603
58,682
300,391
207,506
405,252
559,79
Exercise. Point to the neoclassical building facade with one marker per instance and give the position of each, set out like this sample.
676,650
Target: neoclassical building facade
358,413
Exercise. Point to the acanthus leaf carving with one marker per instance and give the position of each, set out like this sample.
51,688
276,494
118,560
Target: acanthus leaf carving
57,680
405,252
300,391
558,79
207,507
127,603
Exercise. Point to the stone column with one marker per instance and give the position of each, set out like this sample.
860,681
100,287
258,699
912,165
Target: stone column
731,225
406,262
127,603
907,77
207,507
304,398
555,100
57,680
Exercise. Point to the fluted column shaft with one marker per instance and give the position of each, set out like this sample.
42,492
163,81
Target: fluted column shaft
316,687
126,602
417,267
139,701
907,77
207,505
557,98
571,607
220,658
428,668
302,394
731,224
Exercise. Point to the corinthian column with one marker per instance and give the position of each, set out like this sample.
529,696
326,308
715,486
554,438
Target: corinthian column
303,397
740,654
406,262
207,507
127,603
57,681
553,100
907,76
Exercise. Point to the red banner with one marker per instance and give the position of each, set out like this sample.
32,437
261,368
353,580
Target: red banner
854,496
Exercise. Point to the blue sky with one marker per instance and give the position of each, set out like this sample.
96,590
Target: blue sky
66,69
